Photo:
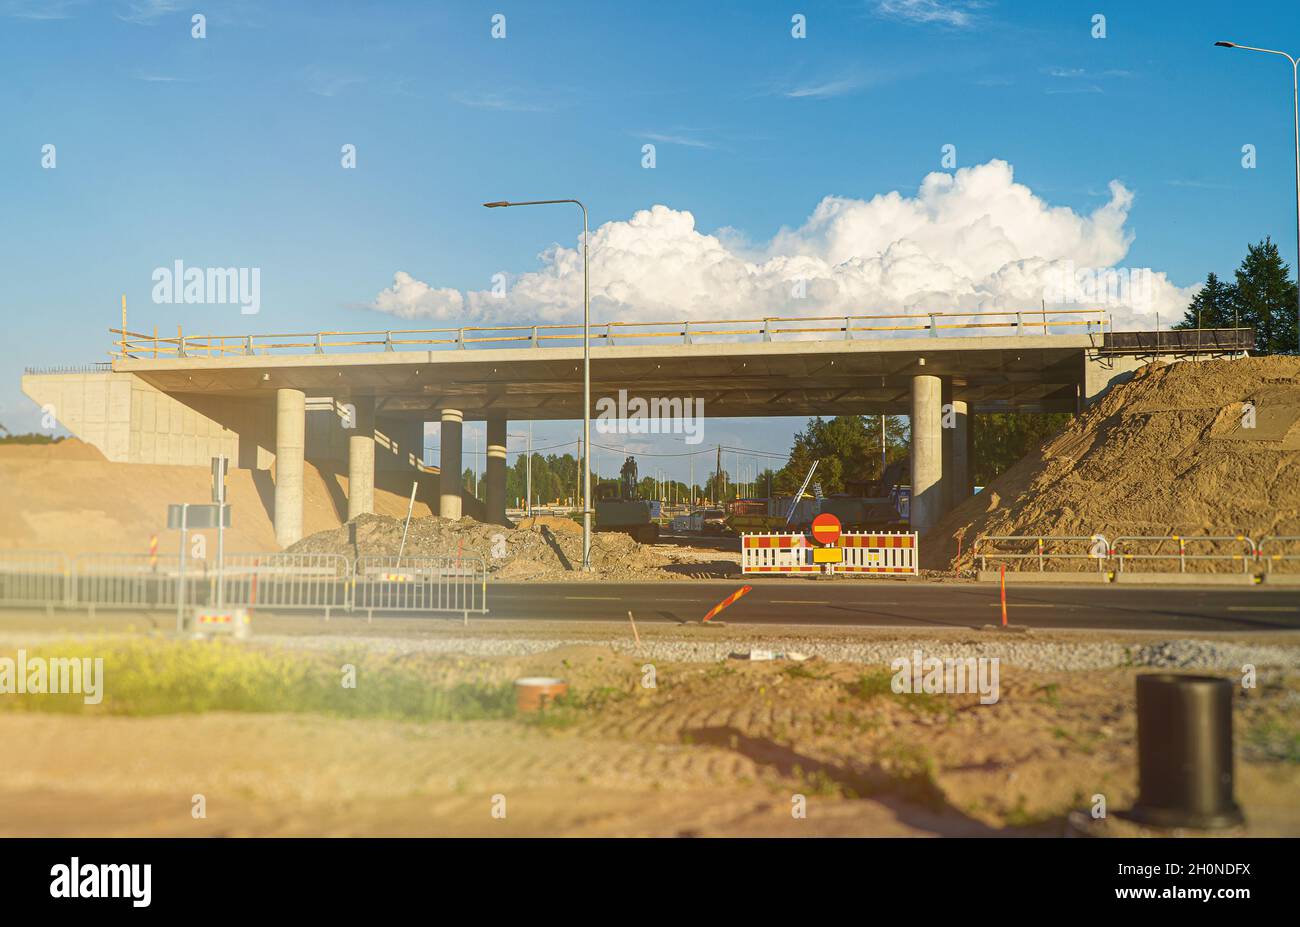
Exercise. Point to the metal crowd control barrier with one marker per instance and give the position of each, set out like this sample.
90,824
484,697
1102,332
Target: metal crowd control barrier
426,584
1274,540
1098,548
132,581
36,578
277,581
282,581
1181,555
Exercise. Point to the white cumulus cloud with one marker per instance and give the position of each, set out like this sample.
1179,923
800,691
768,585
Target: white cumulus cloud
974,240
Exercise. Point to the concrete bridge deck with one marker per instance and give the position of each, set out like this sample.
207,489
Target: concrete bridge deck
183,400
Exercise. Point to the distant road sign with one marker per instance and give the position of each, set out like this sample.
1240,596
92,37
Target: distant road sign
198,516
826,528
220,465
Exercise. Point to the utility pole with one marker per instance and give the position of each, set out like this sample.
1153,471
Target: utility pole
882,447
717,478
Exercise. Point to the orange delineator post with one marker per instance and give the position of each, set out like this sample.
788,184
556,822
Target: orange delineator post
1003,577
727,601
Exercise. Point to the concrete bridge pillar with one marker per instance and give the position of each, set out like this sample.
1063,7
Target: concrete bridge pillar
449,461
290,441
927,452
957,475
361,458
496,470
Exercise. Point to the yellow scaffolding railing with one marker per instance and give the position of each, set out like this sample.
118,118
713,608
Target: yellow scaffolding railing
136,345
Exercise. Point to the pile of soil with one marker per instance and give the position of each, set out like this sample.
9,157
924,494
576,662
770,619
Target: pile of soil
67,449
66,497
542,548
1169,452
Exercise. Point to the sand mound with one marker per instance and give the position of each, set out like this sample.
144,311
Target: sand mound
555,523
1166,453
66,497
539,548
67,449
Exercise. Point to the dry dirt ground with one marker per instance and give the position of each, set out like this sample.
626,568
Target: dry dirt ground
712,749
1209,448
66,497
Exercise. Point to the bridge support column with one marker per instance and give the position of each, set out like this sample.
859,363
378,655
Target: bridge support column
290,441
957,463
449,461
496,470
927,452
361,458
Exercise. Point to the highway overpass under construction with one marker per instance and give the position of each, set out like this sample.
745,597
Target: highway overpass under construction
277,399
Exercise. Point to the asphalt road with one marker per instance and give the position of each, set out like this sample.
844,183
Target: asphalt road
908,605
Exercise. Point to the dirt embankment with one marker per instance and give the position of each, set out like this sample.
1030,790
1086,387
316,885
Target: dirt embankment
1208,448
542,548
66,497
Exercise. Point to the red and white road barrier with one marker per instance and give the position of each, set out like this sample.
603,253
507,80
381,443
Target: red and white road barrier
888,552
864,553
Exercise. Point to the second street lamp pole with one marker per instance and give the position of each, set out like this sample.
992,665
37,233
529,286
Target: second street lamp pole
586,372
1295,103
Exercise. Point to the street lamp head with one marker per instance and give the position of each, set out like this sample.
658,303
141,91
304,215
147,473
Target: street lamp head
496,204
1225,45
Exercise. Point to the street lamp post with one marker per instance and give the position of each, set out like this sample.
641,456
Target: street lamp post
1295,103
586,372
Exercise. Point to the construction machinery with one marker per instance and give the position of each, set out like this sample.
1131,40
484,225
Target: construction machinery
865,505
619,507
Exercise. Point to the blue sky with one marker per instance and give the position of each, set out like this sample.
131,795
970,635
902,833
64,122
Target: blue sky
225,151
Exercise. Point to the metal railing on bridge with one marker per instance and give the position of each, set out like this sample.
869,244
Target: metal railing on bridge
136,345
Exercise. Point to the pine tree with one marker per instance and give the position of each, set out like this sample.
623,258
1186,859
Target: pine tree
1211,307
1264,298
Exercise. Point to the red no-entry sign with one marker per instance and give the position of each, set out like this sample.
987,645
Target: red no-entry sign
826,529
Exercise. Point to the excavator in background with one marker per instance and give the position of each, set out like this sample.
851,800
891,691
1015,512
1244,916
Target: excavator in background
866,505
619,507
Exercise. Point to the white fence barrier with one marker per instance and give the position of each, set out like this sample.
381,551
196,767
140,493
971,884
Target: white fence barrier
879,552
868,552
776,553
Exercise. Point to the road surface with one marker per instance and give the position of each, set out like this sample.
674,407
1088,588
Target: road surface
909,605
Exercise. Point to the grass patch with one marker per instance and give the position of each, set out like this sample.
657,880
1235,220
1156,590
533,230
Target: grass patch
799,671
879,684
144,678
1273,740
573,707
